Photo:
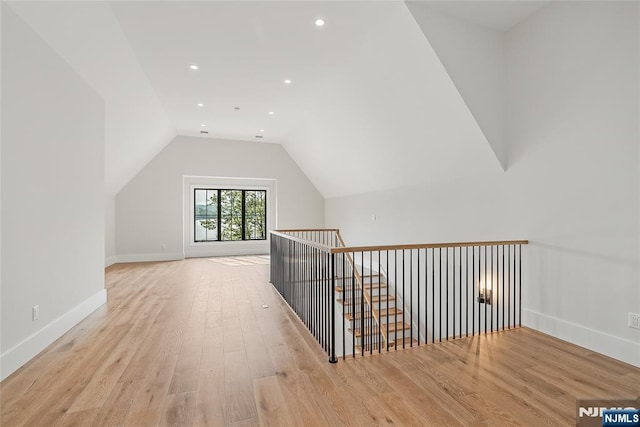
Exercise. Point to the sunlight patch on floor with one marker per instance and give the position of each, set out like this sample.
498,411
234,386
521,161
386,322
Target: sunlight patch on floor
238,261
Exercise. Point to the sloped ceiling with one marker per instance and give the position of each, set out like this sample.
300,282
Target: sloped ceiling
467,36
88,37
370,106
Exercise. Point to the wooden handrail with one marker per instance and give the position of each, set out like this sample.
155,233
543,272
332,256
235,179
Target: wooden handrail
320,246
375,248
425,246
365,293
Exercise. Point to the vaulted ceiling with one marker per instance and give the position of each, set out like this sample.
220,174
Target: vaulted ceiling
379,97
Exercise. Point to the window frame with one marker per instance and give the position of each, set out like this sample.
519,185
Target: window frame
243,214
192,249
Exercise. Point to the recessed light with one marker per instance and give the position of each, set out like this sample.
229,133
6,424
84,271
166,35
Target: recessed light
271,113
193,66
287,82
319,22
261,130
203,125
200,104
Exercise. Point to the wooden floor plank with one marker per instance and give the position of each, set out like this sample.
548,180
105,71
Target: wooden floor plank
238,388
273,409
147,404
179,409
78,419
304,412
211,392
115,409
189,343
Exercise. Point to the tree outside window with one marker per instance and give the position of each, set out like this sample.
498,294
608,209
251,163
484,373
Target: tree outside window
229,215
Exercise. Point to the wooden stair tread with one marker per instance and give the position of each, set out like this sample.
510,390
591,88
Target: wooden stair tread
393,311
374,299
407,342
366,277
362,275
393,327
375,276
366,286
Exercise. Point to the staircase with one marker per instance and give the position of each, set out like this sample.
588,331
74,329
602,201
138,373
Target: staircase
371,314
436,291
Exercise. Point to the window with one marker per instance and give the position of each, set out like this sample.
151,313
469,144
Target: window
229,215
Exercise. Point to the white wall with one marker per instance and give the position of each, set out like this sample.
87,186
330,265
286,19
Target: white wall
110,230
1,60
137,127
149,210
52,195
572,187
474,59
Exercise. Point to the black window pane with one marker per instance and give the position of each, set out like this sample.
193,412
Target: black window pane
225,214
231,214
205,215
211,223
255,215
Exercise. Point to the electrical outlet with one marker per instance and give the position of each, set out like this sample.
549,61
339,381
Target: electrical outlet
35,313
634,320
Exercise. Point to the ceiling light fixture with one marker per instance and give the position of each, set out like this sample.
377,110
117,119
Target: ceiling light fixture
193,66
319,22
203,125
287,82
200,104
261,130
271,113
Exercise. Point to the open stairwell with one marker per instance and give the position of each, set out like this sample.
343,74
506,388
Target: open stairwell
361,300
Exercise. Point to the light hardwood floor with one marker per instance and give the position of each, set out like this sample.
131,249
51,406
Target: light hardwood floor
188,343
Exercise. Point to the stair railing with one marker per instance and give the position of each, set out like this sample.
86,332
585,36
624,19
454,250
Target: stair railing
392,297
367,301
302,270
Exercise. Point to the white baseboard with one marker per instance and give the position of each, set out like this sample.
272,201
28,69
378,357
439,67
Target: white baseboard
175,256
162,256
222,252
110,261
227,249
26,350
619,348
